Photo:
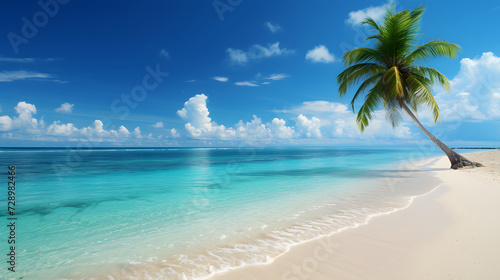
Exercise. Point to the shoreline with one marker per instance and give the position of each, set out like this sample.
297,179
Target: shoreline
381,197
391,245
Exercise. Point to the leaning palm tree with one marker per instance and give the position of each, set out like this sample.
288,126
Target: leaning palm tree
389,74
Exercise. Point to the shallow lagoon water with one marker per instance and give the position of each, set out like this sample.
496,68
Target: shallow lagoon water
188,213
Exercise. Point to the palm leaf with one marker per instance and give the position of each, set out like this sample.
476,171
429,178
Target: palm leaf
434,48
393,84
372,101
355,74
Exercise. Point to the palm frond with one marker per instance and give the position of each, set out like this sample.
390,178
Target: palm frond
355,74
372,101
392,83
434,48
433,74
371,22
387,73
422,94
393,112
362,55
364,86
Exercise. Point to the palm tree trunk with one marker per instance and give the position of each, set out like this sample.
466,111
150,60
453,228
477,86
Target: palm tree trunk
457,161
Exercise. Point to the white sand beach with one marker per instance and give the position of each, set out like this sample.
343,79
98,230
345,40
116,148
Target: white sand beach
450,233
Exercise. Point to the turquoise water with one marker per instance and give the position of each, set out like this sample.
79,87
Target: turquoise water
188,213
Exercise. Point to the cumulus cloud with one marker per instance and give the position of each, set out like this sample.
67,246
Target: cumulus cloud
241,57
158,125
273,27
247,84
221,79
174,133
5,123
56,128
375,12
137,132
65,108
280,130
24,124
25,119
320,54
335,120
308,127
254,129
123,131
95,130
199,124
313,120
475,92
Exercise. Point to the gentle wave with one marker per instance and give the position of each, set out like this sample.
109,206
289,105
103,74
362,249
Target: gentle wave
350,214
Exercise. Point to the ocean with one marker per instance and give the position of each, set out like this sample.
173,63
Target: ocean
189,213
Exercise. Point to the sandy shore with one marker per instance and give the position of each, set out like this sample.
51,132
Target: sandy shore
451,233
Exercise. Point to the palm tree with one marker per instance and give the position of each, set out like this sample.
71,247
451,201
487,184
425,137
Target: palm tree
389,74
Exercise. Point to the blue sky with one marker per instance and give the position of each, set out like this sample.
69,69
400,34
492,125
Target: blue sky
202,73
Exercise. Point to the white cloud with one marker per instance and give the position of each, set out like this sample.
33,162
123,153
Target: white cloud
164,53
25,118
337,121
95,130
25,126
158,125
475,92
252,130
65,108
137,132
318,119
56,128
10,76
246,83
311,107
280,130
221,79
23,59
5,123
174,133
123,131
273,27
277,77
23,107
308,128
199,124
17,59
320,54
377,13
494,110
237,56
